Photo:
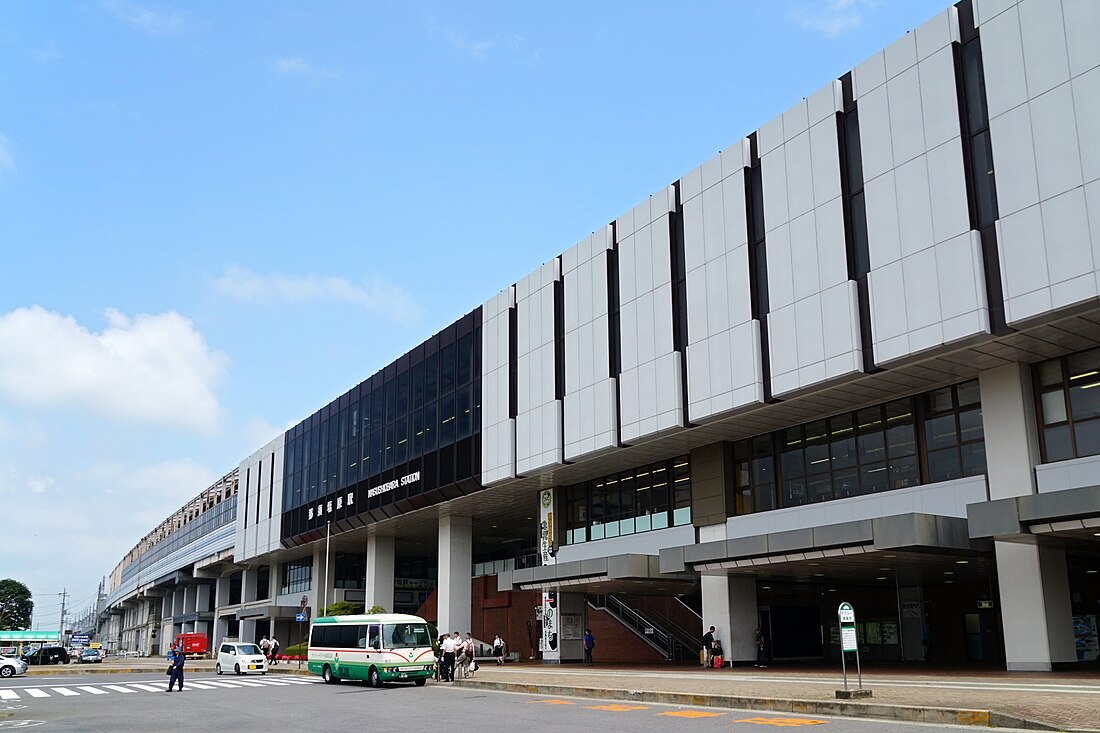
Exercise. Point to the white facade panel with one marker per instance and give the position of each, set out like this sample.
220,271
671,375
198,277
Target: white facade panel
917,207
645,318
261,481
538,411
498,442
807,255
1043,128
591,395
724,371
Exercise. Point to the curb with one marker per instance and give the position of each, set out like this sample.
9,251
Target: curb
937,716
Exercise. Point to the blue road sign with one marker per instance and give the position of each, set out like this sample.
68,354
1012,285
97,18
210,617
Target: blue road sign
80,638
299,617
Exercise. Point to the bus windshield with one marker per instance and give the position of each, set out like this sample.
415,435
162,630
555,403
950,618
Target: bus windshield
406,635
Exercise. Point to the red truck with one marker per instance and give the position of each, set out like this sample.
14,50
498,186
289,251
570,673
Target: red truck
194,645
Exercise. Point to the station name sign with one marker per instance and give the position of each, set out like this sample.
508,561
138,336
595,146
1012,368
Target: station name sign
405,480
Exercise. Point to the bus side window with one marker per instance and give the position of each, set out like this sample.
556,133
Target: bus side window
361,636
375,637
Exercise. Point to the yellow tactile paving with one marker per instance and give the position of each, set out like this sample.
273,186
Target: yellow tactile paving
691,714
617,708
782,722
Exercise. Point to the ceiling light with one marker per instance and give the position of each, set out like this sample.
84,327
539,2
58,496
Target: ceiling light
948,582
880,578
765,587
1091,572
948,572
819,575
962,562
885,569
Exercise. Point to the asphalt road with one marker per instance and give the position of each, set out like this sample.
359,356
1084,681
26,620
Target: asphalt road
124,703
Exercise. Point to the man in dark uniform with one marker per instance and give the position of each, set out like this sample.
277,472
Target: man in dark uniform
175,672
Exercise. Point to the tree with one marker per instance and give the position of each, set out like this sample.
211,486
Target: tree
16,605
343,608
375,609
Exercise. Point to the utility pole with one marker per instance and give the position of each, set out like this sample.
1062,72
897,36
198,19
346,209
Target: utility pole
61,630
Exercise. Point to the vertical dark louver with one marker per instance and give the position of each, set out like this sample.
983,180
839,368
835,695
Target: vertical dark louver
513,362
678,265
855,215
614,343
559,349
758,258
981,184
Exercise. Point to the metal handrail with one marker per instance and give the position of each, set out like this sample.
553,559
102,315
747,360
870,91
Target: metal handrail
671,647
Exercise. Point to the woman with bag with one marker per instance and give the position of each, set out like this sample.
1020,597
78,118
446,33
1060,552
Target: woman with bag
498,650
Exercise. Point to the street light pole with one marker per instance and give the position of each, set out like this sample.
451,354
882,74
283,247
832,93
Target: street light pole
324,580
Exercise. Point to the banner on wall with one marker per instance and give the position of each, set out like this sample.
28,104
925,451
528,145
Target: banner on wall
549,642
547,551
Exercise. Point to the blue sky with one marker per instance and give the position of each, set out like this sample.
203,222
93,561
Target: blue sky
215,217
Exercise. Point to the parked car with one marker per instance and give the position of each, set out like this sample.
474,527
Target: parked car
241,658
47,655
89,655
11,666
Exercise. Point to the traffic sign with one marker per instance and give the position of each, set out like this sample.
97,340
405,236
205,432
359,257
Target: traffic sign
299,617
80,638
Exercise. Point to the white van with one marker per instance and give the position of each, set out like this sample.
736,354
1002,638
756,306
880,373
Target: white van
240,657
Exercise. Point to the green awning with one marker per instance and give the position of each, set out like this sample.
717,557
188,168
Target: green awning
11,636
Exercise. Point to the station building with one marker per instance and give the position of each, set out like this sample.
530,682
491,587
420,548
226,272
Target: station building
852,357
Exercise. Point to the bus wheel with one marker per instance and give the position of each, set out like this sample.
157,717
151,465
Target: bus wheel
328,676
420,682
374,679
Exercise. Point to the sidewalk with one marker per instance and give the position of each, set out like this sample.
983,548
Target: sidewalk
1064,701
1054,701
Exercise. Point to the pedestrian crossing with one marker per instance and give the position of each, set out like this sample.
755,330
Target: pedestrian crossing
12,694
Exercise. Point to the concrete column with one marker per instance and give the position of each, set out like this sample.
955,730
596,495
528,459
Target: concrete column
1033,581
1035,607
190,597
324,577
379,581
202,598
179,602
1011,432
248,585
248,630
911,600
729,605
456,556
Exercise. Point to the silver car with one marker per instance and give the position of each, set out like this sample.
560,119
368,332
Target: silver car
11,666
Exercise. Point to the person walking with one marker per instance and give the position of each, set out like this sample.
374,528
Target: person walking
274,649
589,645
708,647
761,656
498,650
448,647
175,672
265,647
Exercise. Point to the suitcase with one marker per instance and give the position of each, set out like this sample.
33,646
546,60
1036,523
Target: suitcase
703,657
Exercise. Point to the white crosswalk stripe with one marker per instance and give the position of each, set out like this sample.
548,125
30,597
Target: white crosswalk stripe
19,693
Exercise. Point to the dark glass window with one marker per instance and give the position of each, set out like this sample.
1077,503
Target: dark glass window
351,571
296,576
1068,395
643,499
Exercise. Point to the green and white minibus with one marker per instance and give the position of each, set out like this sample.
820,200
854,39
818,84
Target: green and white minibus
383,647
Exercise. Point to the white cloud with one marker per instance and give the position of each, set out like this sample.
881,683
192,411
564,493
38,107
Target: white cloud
295,65
832,17
6,161
376,296
153,22
260,432
481,49
50,52
152,368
